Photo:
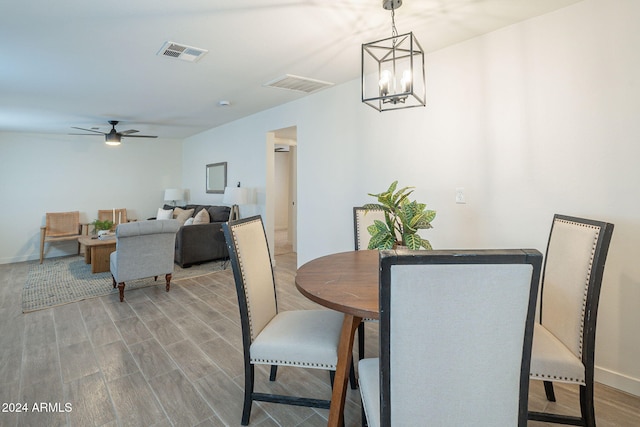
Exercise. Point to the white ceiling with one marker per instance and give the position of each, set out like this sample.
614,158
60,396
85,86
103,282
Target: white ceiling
82,63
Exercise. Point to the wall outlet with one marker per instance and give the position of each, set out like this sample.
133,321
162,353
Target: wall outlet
460,195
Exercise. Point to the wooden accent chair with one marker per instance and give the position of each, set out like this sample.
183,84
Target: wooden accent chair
118,216
59,227
564,338
300,338
143,249
456,330
363,218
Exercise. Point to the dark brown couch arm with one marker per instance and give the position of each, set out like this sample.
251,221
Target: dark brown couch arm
199,243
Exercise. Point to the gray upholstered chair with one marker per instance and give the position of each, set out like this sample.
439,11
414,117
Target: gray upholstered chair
363,218
143,249
456,329
564,339
302,338
60,227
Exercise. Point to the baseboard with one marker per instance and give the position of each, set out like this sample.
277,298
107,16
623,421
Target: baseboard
22,258
618,381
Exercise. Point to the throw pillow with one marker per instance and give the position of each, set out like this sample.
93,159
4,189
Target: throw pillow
164,214
181,214
202,217
219,213
189,221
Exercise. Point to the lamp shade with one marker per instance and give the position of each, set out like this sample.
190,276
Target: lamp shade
235,196
173,194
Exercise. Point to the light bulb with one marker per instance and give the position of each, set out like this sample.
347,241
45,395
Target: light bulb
405,83
385,76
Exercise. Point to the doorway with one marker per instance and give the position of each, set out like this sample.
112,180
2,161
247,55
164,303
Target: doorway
281,200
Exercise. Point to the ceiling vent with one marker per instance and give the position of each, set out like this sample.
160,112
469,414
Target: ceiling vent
181,51
299,84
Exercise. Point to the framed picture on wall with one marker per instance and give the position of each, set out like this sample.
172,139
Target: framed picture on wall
216,177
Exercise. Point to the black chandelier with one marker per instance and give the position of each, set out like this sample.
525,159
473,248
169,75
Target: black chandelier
393,69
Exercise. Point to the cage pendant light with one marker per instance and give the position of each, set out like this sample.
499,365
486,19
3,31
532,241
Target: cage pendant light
393,74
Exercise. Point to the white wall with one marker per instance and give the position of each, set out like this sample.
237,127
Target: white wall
281,220
53,173
534,119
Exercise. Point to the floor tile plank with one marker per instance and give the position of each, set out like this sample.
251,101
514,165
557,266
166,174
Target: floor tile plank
169,359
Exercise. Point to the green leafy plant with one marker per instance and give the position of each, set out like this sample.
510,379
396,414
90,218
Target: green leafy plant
102,225
403,219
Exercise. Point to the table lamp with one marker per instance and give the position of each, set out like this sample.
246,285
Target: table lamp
235,196
173,195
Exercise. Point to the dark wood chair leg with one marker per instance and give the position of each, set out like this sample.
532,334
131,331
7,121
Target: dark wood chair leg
248,392
274,371
168,279
548,389
121,289
361,341
114,281
586,405
352,377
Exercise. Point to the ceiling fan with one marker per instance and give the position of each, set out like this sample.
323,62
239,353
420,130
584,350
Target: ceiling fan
113,137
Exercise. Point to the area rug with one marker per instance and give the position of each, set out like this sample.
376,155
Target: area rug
63,280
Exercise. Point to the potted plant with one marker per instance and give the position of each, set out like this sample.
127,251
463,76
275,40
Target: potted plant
102,227
403,219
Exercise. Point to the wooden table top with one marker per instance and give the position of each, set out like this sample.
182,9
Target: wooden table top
345,282
90,241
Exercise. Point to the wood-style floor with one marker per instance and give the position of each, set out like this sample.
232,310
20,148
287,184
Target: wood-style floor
173,359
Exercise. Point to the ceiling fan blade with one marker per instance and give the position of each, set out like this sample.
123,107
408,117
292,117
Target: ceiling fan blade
87,134
88,130
130,131
139,136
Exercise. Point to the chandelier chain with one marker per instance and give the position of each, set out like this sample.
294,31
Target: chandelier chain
394,32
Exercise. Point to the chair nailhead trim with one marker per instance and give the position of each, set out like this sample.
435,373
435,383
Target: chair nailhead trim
302,364
244,280
587,279
557,378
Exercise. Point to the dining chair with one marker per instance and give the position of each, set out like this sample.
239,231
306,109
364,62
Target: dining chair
363,218
117,216
453,326
298,338
59,227
143,249
564,336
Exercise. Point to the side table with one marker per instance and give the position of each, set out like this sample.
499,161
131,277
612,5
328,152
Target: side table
97,252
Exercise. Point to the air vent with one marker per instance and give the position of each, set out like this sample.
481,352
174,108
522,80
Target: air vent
299,84
181,51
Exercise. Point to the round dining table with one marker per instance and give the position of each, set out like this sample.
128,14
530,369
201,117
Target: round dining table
346,282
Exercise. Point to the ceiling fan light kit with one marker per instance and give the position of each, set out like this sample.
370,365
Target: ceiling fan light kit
113,137
393,75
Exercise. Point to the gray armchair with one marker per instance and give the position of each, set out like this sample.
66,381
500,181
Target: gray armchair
143,249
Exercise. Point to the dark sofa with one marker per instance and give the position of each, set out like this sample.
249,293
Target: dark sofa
200,243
